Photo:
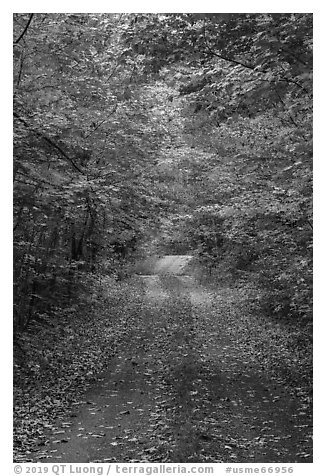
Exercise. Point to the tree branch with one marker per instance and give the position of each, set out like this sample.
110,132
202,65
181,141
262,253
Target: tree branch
248,66
25,29
230,60
20,69
102,122
50,142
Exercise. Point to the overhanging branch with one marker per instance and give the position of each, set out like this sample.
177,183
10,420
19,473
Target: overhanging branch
248,66
50,142
25,29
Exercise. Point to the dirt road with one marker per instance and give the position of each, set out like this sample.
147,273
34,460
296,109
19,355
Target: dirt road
183,389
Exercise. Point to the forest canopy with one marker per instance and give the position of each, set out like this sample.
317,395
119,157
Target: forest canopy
196,128
162,225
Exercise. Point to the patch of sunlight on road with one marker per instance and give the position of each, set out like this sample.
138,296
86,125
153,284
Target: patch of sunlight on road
171,264
154,288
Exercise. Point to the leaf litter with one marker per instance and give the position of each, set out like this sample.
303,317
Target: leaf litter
201,384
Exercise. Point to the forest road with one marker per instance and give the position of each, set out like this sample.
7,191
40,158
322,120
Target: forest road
171,264
182,389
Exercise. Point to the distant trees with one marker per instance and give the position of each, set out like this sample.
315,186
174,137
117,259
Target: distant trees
246,85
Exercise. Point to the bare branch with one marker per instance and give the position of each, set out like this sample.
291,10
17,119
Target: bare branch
25,29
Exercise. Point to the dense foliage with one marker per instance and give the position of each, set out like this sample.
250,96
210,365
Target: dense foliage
84,143
203,121
246,82
137,135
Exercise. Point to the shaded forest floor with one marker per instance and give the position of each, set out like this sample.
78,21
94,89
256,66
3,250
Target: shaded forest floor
162,369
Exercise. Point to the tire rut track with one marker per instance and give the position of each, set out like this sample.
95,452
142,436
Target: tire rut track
182,390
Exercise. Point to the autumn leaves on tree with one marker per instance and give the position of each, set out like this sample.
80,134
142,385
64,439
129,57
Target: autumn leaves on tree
143,135
199,125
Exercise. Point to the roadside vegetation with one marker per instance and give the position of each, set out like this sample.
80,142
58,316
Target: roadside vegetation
143,135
